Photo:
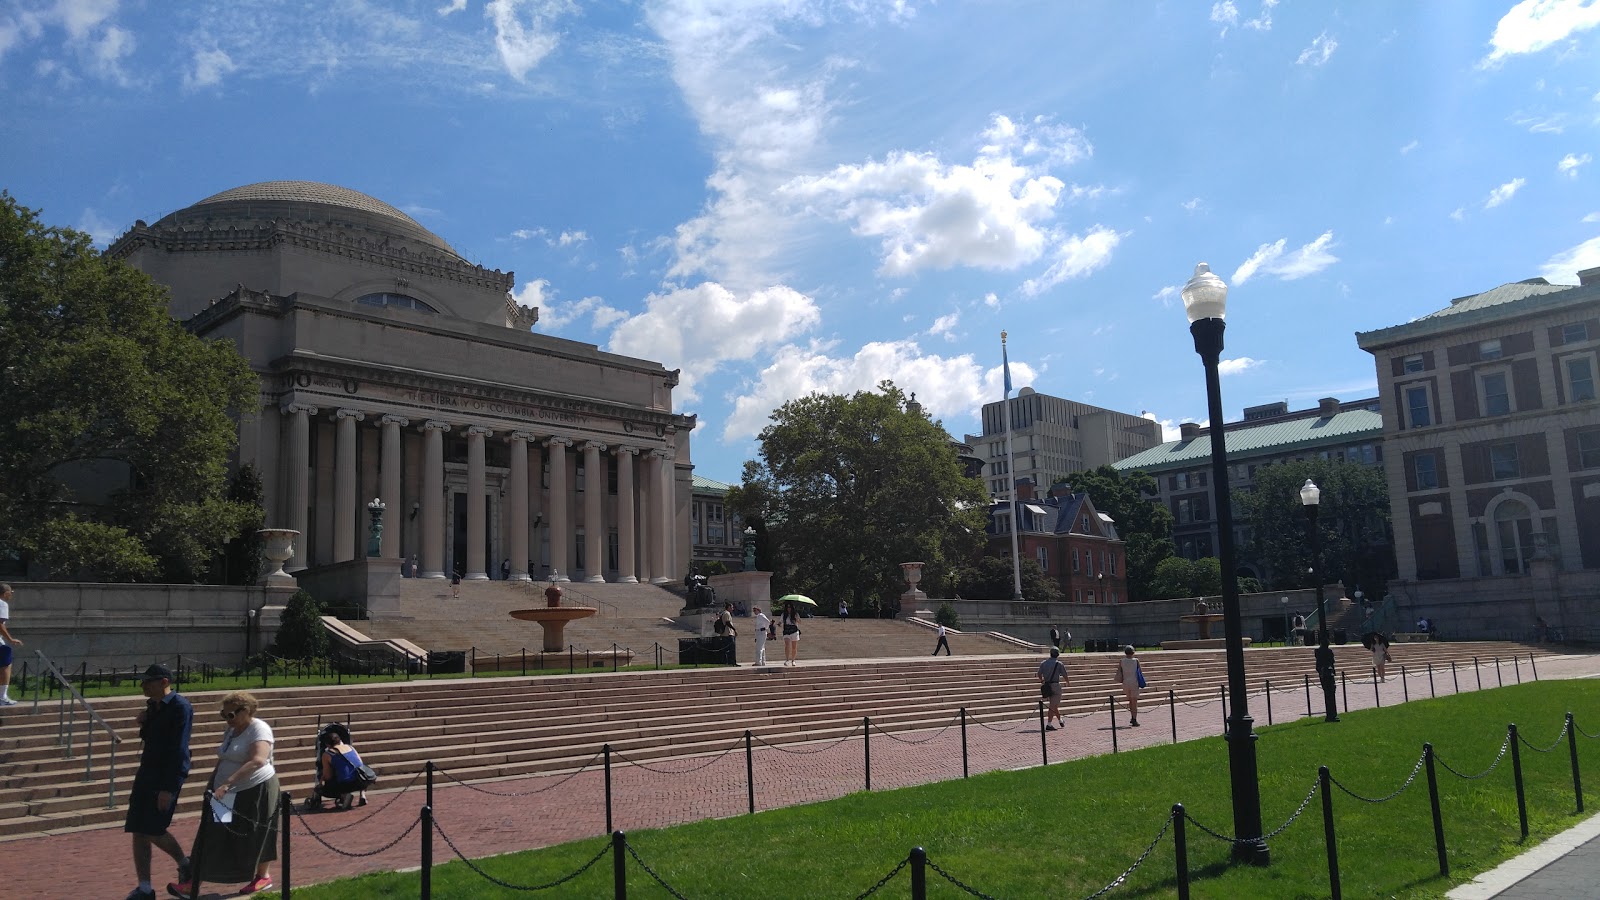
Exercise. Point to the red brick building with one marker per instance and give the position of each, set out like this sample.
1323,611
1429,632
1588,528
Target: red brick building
1074,544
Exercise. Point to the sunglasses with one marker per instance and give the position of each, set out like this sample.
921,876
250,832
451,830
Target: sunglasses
230,713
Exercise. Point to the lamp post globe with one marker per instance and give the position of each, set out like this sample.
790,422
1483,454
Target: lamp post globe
1311,500
1205,302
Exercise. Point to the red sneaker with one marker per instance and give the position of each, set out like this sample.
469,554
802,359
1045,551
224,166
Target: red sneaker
260,884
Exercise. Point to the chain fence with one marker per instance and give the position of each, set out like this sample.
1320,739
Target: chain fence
1504,746
1397,792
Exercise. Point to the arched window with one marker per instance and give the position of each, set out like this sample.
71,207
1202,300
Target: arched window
395,301
1513,527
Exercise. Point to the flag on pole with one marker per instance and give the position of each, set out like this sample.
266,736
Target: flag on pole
1005,363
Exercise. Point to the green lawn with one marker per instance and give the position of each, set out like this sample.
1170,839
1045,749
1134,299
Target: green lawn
1069,829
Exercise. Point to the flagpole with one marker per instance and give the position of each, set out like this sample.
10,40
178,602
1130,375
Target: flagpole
1011,478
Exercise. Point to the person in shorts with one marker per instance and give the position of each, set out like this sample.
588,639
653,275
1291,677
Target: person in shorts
6,643
165,727
1052,675
1127,674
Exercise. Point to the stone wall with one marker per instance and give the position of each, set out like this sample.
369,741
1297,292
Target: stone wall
1145,623
1505,606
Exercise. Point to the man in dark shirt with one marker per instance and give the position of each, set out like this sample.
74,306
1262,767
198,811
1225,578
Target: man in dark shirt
164,726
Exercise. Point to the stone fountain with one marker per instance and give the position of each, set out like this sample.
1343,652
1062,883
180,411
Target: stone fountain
1202,617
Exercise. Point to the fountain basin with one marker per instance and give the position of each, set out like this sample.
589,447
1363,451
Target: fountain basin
554,621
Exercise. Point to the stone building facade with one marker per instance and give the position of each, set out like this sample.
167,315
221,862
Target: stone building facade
1074,544
1493,433
394,370
1052,437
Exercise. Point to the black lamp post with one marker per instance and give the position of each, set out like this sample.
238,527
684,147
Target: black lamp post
1205,300
1310,498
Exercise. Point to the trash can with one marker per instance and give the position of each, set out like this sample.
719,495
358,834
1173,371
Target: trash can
715,650
447,662
1339,636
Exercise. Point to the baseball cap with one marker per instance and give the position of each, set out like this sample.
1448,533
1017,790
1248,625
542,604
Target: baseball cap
156,671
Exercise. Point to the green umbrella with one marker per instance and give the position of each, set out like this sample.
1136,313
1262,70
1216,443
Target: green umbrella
797,598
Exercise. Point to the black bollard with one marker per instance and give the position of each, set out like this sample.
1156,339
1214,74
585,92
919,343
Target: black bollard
1516,667
963,742
866,747
1222,691
286,806
1438,817
1377,700
1572,749
1500,680
1268,692
428,768
1111,704
1454,681
606,749
1172,709
1405,686
1431,692
750,772
1479,671
1516,774
525,672
1534,666
1328,837
427,853
1344,686
1044,748
1307,680
619,865
919,873
1180,845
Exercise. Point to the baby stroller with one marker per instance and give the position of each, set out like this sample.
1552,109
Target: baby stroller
341,776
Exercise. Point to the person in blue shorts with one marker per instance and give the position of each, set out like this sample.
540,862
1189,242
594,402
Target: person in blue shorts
165,727
6,643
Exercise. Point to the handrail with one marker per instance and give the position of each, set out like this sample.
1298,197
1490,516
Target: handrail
616,611
50,666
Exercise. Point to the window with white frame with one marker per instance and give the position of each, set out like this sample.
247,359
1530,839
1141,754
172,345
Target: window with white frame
1579,373
1494,393
1513,528
1489,349
1426,467
1412,363
1504,461
1044,559
1575,333
1419,412
1075,565
1589,449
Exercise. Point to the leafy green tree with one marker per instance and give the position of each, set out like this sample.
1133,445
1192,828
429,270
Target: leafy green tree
1145,527
849,487
1176,577
990,579
241,558
1353,518
300,632
946,615
99,384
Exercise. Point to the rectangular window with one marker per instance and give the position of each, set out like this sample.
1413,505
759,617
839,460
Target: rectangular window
1496,400
578,478
1427,471
1075,565
1113,564
1580,378
1044,559
1417,407
1412,363
613,548
1589,449
1574,333
1091,596
1503,461
1489,349
577,548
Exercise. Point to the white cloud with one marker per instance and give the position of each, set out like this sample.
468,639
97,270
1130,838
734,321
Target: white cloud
1539,123
1167,294
1533,25
1272,259
524,32
1569,164
1193,205
523,234
1224,13
1459,214
100,229
699,328
1414,144
944,326
1236,366
570,239
1563,268
555,316
1263,20
1592,217
1169,427
209,68
945,386
1504,192
1076,257
1320,51
454,6
928,214
991,300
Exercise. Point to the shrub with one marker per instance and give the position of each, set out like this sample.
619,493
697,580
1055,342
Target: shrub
946,615
301,635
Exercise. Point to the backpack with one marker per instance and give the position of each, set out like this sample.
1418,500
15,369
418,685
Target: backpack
720,626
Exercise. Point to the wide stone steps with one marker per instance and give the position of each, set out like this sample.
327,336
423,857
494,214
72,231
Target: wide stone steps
491,728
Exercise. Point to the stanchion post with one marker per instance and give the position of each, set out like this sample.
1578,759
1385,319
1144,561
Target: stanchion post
1572,749
1111,704
428,768
964,747
1516,667
286,808
1307,680
1222,691
1044,748
1377,699
1180,845
1477,670
1405,686
1344,687
749,772
1431,691
606,749
1324,783
1438,817
919,873
1269,701
1500,680
427,853
1516,774
525,672
866,747
1534,666
1172,712
619,865
1455,682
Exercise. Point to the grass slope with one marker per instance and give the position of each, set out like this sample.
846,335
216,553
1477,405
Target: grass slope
1068,829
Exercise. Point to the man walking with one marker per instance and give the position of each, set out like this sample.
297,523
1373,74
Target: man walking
1052,675
944,641
762,624
6,643
164,726
1055,637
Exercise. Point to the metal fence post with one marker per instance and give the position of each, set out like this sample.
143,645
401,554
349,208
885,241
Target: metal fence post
1477,670
1534,666
1500,680
1180,846
1377,699
1307,680
1269,701
428,768
1111,704
1516,773
866,747
606,749
750,771
1438,817
1222,691
1572,749
919,873
964,747
1329,838
1044,747
1344,688
1405,686
427,853
1172,710
286,807
1516,667
619,865
1431,692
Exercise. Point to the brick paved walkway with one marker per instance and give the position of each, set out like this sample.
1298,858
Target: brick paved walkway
517,814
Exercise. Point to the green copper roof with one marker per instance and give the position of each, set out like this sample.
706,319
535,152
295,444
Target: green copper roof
1273,437
706,486
1517,298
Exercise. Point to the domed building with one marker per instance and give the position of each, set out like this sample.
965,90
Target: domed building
392,368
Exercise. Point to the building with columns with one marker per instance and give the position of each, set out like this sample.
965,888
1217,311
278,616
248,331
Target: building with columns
393,369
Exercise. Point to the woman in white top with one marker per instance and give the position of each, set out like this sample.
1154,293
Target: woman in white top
1127,674
246,784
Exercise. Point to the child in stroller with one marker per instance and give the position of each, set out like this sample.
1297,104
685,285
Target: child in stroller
339,770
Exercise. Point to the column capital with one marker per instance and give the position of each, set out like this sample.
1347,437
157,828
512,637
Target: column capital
479,431
594,445
557,440
663,454
350,414
392,419
624,450
435,425
527,436
290,409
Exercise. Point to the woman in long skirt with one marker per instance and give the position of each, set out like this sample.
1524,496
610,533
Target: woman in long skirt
243,790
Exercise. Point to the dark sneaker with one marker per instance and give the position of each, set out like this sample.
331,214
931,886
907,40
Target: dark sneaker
1049,728
185,871
1134,722
141,894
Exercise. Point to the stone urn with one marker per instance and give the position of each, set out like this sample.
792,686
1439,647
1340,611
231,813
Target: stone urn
277,545
913,575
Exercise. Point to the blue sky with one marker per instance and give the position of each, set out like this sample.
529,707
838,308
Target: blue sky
790,196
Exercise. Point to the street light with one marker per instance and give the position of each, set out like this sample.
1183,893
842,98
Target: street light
1310,498
1205,301
1284,603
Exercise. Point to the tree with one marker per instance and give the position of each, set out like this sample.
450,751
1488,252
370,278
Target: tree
241,557
300,631
990,579
1176,577
1145,527
849,487
98,385
1353,518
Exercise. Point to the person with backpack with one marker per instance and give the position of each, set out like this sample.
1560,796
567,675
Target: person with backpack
341,775
1131,677
724,623
1052,675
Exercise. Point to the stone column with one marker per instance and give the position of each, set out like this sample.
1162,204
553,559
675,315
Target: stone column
518,549
298,500
663,525
344,485
627,572
560,521
476,551
433,498
390,486
594,510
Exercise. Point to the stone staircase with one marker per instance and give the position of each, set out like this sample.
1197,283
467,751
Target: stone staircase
504,727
